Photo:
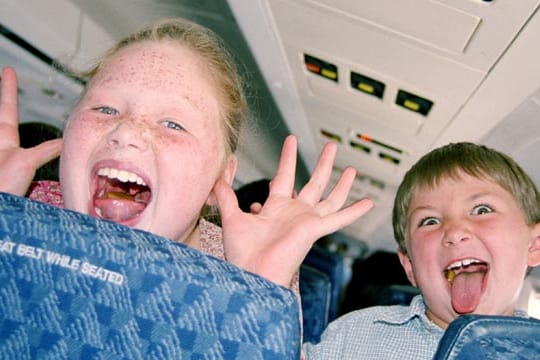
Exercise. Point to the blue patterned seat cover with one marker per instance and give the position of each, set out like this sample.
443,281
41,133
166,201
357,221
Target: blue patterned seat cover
75,287
473,337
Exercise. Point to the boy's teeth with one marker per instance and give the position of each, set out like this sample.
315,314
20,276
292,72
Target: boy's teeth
122,175
462,263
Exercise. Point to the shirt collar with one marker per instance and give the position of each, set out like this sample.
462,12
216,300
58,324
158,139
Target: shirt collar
417,309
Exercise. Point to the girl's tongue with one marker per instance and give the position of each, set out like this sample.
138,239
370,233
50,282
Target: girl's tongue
120,201
118,210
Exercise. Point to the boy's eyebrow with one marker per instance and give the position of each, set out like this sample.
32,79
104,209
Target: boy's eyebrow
472,197
420,208
479,195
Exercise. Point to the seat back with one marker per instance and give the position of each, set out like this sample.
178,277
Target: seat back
334,266
315,292
397,294
490,337
75,287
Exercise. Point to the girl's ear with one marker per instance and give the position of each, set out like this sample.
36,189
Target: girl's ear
227,174
407,266
533,257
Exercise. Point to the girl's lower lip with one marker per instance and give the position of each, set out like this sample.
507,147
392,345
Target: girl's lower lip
130,223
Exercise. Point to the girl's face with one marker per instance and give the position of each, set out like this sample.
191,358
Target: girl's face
468,248
145,145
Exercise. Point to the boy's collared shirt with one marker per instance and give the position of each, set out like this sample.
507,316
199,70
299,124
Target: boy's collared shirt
380,332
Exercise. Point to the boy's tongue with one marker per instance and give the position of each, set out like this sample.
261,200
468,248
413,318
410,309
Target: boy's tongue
467,289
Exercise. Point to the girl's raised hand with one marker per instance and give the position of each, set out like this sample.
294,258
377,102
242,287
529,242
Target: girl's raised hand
273,241
18,165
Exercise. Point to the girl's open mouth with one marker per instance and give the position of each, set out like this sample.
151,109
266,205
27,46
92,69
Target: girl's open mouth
120,196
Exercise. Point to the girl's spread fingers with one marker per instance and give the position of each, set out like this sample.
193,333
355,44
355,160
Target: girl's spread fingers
226,198
338,220
9,116
339,194
9,101
283,182
45,152
314,189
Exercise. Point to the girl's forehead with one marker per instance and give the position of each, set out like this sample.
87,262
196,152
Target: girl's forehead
157,62
163,67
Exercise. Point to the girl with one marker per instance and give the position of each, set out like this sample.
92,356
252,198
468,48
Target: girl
151,143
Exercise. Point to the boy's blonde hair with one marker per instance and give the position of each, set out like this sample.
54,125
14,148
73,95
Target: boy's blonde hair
219,62
475,160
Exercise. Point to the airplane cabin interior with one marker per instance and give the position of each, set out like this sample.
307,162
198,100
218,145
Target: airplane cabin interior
385,80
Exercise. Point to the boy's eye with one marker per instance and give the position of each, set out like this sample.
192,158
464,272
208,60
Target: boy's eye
428,221
482,209
107,110
172,125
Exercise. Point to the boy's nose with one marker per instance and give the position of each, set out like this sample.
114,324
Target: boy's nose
455,232
129,134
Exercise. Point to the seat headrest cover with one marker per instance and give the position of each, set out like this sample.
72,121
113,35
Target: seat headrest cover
490,337
76,287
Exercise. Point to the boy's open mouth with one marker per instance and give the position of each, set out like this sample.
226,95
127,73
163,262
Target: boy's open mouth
467,280
120,195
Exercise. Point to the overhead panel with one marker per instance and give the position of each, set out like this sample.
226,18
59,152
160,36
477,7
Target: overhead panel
429,22
397,72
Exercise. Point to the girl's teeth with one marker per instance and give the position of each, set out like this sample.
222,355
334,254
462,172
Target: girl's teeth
121,175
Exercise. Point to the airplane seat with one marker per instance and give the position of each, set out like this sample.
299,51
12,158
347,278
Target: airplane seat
490,337
315,292
73,286
397,294
334,266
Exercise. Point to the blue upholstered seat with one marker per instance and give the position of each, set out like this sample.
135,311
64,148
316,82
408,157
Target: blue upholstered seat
473,337
397,294
333,265
75,287
315,292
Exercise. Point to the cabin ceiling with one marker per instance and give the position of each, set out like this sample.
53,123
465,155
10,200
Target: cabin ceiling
387,80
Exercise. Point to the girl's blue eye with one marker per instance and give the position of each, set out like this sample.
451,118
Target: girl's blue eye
173,125
428,221
482,209
107,110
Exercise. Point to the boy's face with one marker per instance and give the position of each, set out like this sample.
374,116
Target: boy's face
145,145
468,248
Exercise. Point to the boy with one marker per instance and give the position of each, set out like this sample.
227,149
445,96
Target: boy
467,222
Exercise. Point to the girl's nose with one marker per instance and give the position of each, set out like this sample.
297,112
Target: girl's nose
129,134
